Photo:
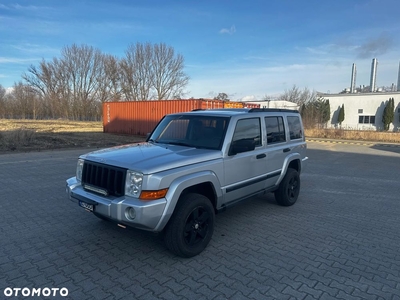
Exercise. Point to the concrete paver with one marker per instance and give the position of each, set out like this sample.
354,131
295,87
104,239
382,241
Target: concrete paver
339,241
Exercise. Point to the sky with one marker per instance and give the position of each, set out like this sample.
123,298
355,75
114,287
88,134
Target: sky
247,49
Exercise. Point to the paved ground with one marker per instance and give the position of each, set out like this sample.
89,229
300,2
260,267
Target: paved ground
340,241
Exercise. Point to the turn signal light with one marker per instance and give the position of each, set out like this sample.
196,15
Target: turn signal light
153,195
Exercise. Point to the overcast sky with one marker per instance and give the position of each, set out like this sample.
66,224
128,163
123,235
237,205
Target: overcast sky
246,49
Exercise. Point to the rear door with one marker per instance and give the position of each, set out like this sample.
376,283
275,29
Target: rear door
277,148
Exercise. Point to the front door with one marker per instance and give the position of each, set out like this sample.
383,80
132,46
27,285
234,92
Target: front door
245,171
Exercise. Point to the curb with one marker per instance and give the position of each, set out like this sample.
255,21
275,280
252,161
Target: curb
354,143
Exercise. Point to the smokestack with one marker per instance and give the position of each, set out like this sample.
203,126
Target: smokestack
372,85
353,78
398,80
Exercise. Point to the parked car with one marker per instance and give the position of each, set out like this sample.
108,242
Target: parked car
191,167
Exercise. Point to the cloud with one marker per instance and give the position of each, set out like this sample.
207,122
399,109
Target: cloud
14,60
35,48
230,31
248,98
374,47
23,7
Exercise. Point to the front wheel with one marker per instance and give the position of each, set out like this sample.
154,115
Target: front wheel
289,188
191,226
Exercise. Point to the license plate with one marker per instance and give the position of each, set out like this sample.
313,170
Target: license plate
86,205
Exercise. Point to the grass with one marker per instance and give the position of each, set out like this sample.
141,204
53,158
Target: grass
39,135
357,135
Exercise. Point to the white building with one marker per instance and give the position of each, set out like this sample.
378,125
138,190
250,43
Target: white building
363,111
275,104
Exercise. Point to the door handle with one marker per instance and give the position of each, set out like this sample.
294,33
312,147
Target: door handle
261,156
286,150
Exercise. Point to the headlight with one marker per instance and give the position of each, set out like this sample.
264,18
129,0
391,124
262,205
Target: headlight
133,183
79,169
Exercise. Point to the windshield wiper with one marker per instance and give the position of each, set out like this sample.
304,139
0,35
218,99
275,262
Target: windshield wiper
180,144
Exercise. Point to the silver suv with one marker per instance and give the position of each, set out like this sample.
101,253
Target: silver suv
192,166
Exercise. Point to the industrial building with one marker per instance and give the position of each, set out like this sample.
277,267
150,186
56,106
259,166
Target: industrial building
364,106
363,111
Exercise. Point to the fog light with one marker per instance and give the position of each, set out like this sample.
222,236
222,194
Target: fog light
130,213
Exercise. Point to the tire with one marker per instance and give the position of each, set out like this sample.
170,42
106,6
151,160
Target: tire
191,226
289,189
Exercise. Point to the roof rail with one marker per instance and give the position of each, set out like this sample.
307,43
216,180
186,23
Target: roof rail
272,110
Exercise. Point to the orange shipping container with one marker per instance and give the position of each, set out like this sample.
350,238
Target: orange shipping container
251,105
233,104
140,117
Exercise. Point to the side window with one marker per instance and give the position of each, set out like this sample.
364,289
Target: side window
275,130
295,128
248,129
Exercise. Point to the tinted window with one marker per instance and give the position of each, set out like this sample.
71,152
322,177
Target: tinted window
275,130
295,128
248,129
192,131
176,129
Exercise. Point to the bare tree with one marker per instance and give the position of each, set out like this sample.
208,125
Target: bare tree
84,65
297,96
25,101
109,85
136,70
168,76
222,96
50,81
2,101
152,72
74,85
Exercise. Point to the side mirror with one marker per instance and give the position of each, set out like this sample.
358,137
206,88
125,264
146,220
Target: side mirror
242,145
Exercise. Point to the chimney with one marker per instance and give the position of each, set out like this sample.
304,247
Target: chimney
353,78
372,85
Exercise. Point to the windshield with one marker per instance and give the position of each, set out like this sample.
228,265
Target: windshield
205,132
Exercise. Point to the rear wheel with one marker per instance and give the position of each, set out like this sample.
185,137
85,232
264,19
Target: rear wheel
191,226
289,188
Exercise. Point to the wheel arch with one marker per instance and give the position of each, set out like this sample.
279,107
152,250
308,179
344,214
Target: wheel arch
292,161
204,183
206,189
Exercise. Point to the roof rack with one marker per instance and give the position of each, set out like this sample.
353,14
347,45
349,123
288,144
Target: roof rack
223,109
273,110
250,110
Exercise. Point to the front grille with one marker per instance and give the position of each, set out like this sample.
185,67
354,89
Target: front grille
105,178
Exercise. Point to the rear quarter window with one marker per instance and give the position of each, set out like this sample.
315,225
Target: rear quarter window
295,129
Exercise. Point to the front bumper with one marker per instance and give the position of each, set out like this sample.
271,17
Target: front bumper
147,213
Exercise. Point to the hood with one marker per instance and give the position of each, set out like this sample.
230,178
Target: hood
150,158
